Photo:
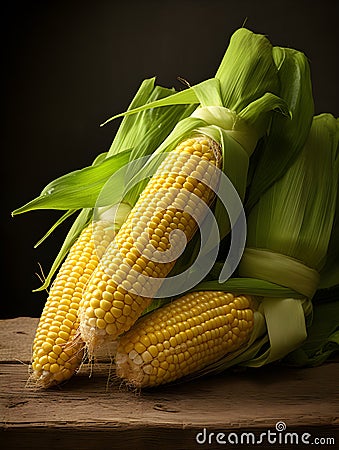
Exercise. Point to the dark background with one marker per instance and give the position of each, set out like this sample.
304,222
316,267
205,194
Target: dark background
68,66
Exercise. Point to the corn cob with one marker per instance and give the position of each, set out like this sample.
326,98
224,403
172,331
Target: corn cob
121,287
183,337
58,348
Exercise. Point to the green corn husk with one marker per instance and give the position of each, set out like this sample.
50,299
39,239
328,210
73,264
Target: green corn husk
289,230
323,334
279,149
287,134
234,108
296,216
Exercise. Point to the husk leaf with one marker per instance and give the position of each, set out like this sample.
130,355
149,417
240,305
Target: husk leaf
280,149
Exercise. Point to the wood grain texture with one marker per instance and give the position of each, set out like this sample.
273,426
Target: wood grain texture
93,410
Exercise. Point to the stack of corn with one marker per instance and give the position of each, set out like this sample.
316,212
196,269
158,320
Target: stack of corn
115,271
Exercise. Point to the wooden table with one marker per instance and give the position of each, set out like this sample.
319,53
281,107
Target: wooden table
96,412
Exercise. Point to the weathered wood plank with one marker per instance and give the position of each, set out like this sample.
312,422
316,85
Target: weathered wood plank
238,399
16,337
97,408
95,401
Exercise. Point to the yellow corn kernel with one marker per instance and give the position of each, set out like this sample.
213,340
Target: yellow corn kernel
190,350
